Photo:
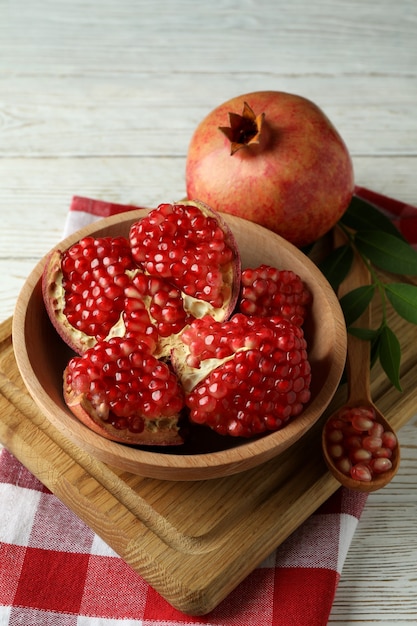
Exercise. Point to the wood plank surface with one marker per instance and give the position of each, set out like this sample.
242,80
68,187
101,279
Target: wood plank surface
101,100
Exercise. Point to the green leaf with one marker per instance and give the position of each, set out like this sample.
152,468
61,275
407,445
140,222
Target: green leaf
403,298
390,355
337,264
355,302
387,252
367,334
361,215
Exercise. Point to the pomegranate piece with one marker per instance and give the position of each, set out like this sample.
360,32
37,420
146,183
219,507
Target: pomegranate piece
243,377
363,448
193,248
267,291
83,289
121,391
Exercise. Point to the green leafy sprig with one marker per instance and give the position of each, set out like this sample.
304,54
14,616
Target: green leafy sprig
381,247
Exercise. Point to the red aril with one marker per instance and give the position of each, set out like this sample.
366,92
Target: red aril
83,289
273,158
154,311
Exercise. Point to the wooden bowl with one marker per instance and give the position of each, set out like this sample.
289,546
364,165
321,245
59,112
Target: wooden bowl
41,357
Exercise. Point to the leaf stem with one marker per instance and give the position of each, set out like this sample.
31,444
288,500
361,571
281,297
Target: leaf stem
383,334
375,280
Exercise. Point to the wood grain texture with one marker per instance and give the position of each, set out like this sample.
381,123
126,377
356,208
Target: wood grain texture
101,100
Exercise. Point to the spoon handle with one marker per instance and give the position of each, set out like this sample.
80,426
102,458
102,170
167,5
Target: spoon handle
358,350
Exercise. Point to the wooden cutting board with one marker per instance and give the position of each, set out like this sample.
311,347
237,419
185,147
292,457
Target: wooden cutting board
193,542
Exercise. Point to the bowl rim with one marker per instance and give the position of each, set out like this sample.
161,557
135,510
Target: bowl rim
199,466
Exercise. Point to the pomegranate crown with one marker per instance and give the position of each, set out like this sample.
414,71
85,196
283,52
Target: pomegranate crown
244,129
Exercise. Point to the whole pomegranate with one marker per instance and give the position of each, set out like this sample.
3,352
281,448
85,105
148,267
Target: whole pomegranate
273,158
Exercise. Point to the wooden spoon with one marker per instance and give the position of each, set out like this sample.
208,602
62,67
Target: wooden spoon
358,386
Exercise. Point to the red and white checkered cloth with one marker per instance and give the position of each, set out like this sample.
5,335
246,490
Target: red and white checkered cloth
55,571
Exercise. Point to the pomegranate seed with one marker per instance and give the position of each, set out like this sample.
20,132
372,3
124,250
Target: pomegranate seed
389,440
361,472
381,465
336,451
344,465
352,442
360,455
372,443
336,422
335,436
377,430
361,423
383,453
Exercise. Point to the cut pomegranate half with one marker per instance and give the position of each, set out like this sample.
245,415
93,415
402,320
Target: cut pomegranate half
83,289
193,248
122,392
243,377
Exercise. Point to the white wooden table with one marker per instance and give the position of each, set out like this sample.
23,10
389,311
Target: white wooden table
100,99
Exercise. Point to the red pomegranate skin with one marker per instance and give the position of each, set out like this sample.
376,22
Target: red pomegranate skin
298,181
